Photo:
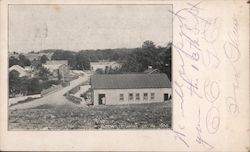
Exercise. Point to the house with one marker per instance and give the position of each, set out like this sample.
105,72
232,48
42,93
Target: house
104,65
22,72
112,89
58,68
150,70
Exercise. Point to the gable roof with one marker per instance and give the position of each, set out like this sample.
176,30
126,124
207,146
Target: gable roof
52,67
129,81
16,67
19,69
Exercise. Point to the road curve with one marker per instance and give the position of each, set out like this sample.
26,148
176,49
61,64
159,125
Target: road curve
55,98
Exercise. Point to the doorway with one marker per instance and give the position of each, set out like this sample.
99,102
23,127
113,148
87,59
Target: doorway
101,99
165,96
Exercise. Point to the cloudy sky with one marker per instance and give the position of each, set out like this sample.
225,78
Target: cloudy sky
80,27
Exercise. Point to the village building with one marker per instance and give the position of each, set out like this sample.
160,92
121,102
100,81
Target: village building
58,68
113,89
22,72
104,65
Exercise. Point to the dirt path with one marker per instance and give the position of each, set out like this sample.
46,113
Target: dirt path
55,98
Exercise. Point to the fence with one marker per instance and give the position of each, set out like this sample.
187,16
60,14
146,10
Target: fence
73,98
75,90
17,99
51,90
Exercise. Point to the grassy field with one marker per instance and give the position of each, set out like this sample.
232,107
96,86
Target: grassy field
136,116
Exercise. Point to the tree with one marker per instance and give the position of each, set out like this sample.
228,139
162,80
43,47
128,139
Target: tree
44,59
14,83
36,64
159,58
82,62
43,73
17,85
24,61
66,55
148,45
13,61
34,86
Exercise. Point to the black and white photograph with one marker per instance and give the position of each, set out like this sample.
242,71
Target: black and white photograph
124,75
89,67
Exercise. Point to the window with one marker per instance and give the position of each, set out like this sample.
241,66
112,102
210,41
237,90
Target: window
130,96
145,96
121,97
152,96
137,96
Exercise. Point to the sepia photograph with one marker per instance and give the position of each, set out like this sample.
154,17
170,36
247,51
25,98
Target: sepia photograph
89,67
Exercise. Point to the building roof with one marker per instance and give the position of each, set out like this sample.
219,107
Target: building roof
19,69
130,81
52,67
16,67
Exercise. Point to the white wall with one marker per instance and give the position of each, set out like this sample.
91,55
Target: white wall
102,65
113,95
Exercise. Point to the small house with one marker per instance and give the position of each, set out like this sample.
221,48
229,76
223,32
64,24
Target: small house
113,89
22,72
58,68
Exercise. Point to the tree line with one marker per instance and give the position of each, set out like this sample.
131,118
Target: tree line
132,60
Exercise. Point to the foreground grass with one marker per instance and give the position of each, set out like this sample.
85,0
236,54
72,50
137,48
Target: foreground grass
136,116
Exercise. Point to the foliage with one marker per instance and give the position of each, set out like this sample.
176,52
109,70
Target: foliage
148,45
13,61
23,85
81,60
34,86
36,64
43,73
49,83
141,58
132,60
22,61
44,59
65,55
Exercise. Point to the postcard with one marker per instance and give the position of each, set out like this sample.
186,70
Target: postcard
114,75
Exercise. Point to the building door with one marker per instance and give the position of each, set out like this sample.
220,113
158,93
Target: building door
165,96
101,99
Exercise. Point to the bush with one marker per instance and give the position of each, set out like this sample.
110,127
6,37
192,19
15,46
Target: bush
34,86
49,83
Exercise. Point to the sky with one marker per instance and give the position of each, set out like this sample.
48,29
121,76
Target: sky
82,27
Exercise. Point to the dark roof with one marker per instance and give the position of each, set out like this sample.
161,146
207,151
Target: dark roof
129,81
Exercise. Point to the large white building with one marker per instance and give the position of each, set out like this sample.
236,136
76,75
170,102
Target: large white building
112,89
57,67
104,65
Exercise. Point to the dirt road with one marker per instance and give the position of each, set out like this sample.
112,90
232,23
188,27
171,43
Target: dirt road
55,98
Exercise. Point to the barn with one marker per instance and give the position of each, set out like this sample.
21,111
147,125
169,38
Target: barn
113,89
